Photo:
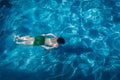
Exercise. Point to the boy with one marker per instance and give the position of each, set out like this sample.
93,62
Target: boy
43,41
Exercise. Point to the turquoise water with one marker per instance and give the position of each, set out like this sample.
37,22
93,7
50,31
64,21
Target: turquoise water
91,29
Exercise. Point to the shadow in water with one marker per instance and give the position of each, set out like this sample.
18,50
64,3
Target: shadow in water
78,49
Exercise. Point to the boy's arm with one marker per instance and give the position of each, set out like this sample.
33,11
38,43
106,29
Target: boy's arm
50,34
48,48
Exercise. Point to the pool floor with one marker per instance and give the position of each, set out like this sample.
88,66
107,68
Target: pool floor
91,29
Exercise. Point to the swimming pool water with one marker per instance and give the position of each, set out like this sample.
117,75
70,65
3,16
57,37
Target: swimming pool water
91,29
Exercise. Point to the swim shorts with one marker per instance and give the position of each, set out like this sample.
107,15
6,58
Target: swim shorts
39,40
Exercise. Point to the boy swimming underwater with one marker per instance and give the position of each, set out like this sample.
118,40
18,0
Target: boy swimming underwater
42,40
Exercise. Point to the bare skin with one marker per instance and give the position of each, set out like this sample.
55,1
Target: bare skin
50,43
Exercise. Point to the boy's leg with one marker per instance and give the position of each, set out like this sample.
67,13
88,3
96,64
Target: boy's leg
23,38
25,42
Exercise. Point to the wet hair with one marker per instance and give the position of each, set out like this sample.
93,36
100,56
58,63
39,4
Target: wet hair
60,40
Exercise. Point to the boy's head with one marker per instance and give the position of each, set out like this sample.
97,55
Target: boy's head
60,40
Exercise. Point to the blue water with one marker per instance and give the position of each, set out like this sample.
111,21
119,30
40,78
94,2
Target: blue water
91,29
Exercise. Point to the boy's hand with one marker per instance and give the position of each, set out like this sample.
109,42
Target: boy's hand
43,34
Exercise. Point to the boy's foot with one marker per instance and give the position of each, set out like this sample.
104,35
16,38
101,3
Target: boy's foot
16,37
17,42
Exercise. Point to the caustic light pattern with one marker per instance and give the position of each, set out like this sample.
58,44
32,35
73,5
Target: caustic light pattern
91,29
